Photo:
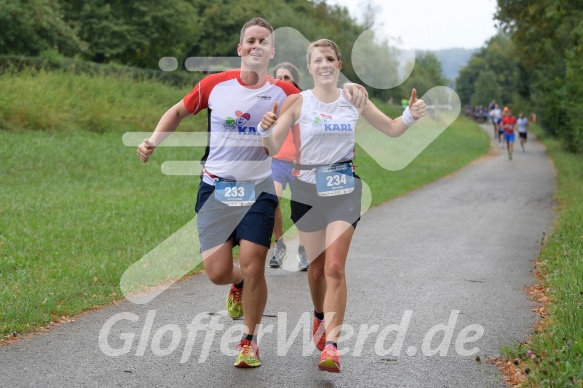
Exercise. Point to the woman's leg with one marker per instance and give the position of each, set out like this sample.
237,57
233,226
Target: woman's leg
338,237
314,244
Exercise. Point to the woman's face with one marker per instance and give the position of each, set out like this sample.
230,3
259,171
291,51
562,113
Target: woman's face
284,74
324,65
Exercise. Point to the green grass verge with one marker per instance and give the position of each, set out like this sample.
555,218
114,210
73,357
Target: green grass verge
77,208
65,102
554,356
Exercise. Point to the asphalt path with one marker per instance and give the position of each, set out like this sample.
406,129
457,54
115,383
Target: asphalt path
436,283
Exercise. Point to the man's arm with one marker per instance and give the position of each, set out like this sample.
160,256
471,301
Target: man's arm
357,94
167,124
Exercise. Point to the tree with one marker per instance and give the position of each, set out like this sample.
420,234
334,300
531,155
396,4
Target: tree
133,33
548,41
426,74
497,60
30,27
486,89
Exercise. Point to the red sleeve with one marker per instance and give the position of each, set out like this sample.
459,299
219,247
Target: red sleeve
198,98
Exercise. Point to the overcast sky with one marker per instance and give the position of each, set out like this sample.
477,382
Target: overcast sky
431,24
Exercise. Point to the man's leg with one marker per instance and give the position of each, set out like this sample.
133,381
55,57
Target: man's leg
216,224
218,264
254,235
278,226
252,262
279,251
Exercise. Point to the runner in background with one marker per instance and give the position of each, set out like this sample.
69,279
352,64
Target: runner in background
522,123
508,123
495,114
282,166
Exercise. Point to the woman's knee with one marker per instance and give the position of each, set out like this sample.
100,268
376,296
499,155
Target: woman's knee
334,271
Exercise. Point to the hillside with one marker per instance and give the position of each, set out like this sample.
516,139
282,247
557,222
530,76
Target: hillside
452,60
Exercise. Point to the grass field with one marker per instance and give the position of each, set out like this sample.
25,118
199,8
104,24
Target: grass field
553,356
77,208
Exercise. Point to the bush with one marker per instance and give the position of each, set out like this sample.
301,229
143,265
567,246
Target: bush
50,60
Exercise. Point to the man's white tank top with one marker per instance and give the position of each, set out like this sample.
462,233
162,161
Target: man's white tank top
325,134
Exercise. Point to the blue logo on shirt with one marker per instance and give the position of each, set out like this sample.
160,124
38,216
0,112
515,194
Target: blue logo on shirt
242,119
337,127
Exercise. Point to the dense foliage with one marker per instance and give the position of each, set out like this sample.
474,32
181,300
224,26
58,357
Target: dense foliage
492,73
548,36
536,63
139,34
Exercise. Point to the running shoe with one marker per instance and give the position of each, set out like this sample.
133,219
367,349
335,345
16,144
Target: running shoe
279,253
234,305
303,259
319,334
330,359
248,356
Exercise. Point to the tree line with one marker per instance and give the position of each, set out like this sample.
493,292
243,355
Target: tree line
139,33
534,64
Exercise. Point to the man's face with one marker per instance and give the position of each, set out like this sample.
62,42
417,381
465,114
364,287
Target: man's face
256,48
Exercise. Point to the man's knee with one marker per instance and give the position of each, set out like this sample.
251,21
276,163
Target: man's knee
219,276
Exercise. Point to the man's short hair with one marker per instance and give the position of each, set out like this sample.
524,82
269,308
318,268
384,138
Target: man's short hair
256,21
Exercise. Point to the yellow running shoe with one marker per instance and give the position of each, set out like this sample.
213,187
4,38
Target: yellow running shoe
234,305
330,359
248,355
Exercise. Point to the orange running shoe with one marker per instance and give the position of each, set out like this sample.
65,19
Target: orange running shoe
330,359
319,334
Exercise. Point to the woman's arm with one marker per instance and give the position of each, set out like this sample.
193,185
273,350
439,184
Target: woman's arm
395,127
278,128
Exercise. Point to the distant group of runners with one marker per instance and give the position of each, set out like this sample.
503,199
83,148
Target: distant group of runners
505,124
253,117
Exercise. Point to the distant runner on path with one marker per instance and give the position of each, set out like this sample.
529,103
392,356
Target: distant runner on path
522,123
508,123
